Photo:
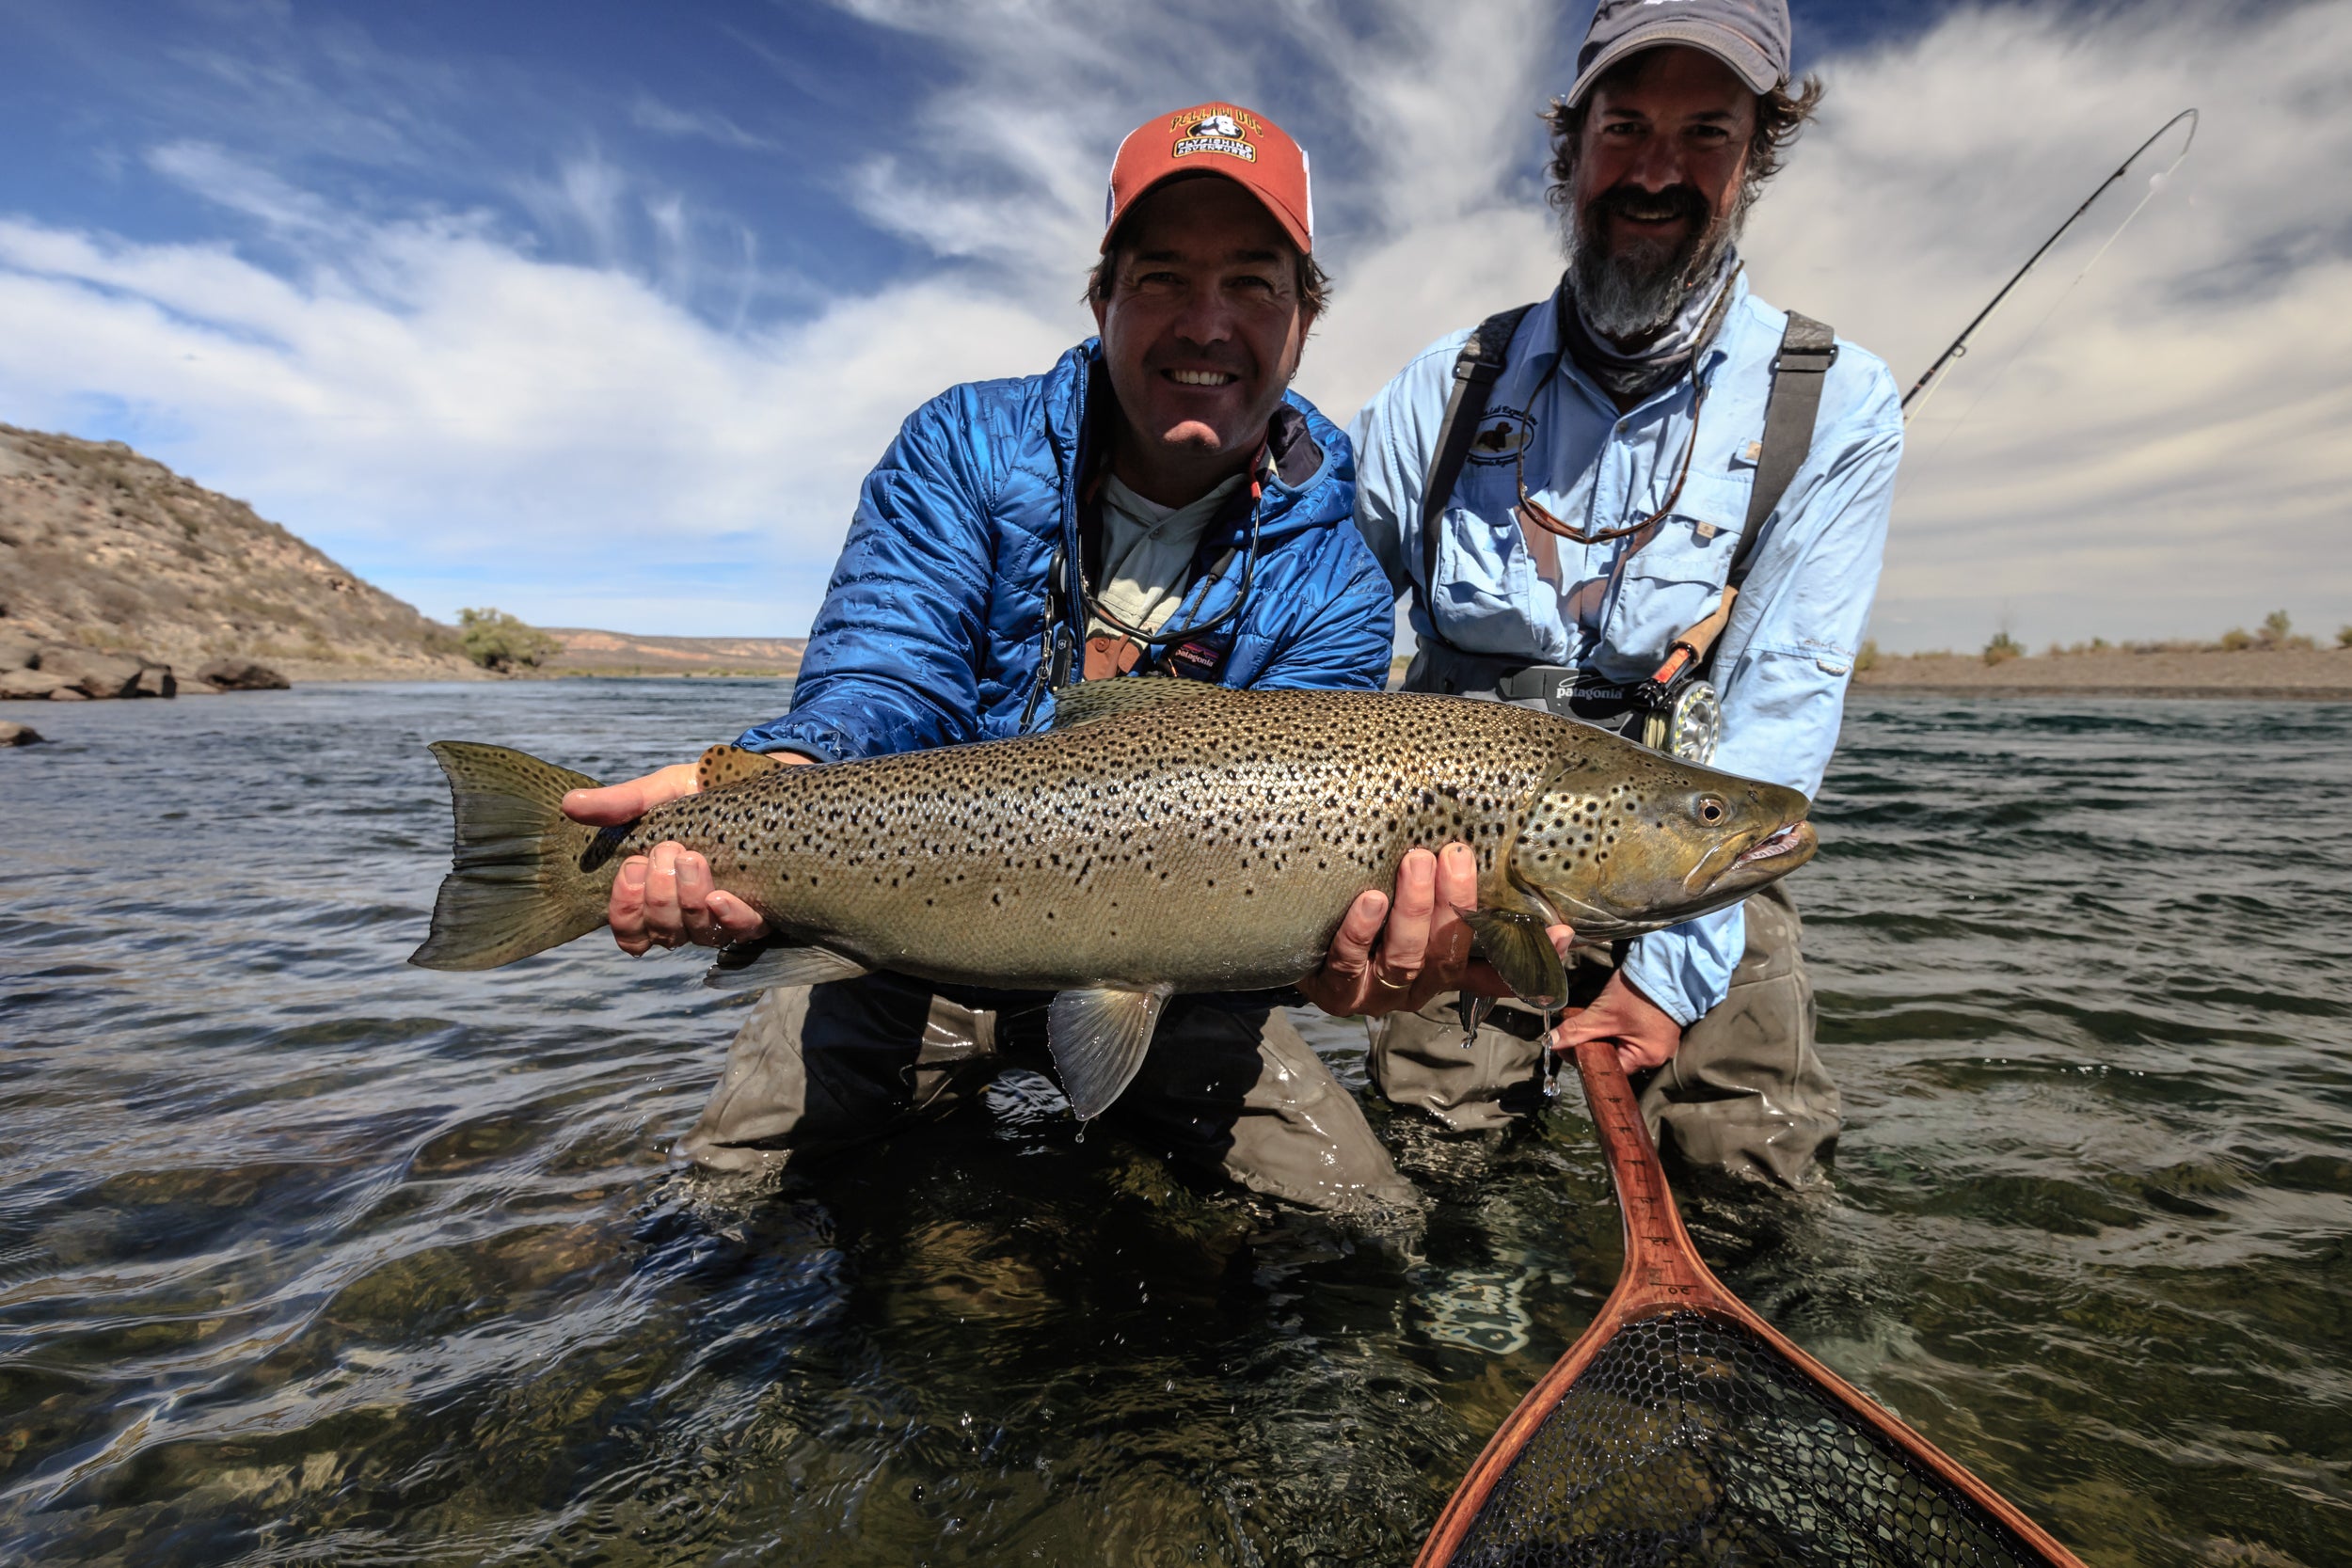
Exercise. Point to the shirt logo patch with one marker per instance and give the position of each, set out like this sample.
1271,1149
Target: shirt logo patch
1502,435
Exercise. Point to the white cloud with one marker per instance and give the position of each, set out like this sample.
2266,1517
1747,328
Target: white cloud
649,113
471,421
2164,457
211,173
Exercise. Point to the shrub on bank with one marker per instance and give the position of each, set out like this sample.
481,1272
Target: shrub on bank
496,641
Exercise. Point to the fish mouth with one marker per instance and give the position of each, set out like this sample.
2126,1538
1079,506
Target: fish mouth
1797,838
1773,853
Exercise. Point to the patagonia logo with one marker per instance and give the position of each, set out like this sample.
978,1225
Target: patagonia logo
1198,660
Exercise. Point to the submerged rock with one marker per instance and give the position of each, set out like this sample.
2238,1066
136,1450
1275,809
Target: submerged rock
240,674
19,734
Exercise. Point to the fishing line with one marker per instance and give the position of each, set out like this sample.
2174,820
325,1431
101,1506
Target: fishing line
1932,380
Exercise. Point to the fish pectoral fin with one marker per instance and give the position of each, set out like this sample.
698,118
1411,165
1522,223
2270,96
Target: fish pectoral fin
1099,1038
721,765
1083,701
1523,954
759,965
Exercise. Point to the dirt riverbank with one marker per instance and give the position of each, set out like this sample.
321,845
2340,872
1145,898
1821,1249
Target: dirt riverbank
2307,674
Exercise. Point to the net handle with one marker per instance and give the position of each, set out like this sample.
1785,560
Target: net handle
1662,1272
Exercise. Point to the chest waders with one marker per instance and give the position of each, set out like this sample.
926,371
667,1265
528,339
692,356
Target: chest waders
1676,709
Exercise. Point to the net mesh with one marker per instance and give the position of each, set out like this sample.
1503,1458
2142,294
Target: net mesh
1687,1440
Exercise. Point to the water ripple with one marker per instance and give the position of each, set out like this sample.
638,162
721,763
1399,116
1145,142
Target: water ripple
307,1256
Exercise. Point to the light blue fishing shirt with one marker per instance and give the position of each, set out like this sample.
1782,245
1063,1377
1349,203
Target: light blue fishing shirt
1782,663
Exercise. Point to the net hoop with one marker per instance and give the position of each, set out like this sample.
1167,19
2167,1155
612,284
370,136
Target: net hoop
1662,1274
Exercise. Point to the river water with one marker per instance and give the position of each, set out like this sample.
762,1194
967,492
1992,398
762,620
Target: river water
307,1256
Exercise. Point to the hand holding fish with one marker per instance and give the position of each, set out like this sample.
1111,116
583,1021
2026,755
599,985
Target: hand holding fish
1423,945
664,898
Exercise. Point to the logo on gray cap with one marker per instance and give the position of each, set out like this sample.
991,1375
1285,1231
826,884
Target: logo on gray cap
1749,36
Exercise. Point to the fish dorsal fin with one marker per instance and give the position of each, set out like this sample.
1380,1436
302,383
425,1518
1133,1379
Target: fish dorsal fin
760,965
1083,701
1519,947
1099,1038
721,765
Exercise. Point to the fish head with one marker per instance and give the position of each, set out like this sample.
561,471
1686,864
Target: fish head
1624,840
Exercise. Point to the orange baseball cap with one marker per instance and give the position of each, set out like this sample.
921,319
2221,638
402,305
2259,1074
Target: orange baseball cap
1215,139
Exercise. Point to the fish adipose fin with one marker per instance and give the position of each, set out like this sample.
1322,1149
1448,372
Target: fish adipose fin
526,877
759,965
721,765
1083,701
1523,954
1099,1038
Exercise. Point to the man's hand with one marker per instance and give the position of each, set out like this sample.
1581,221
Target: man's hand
1644,1034
618,803
664,898
1424,946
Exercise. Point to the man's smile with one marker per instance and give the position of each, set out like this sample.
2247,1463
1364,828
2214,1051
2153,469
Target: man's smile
1201,378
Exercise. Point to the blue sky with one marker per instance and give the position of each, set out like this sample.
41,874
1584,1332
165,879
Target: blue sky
597,312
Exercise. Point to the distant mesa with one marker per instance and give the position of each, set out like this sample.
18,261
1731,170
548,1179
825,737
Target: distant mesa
588,652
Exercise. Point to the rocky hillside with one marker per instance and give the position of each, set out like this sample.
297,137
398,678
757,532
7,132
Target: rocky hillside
102,548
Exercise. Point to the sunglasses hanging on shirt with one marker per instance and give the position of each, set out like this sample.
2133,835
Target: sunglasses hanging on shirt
1533,512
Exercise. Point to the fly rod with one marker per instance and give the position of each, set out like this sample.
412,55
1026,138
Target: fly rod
1920,388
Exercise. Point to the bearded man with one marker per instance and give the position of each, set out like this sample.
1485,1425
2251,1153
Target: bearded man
1650,477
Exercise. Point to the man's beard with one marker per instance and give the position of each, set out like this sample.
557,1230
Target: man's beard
1635,289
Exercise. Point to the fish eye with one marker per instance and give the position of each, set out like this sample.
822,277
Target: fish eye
1711,810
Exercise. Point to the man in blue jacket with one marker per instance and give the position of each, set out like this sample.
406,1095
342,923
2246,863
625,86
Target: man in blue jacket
1664,475
1158,502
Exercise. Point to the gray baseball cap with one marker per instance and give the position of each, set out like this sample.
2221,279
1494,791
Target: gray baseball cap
1749,36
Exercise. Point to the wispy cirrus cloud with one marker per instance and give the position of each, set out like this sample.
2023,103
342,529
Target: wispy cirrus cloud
648,113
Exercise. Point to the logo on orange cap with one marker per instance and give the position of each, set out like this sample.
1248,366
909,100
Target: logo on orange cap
1216,138
1226,130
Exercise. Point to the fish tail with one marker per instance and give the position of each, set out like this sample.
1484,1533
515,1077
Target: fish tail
526,877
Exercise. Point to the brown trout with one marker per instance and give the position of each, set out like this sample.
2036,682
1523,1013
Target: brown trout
1164,836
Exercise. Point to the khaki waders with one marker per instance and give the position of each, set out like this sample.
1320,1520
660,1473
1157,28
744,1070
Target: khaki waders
1228,1091
1746,1093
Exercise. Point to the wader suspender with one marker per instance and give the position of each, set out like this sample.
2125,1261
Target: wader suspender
1475,370
1808,349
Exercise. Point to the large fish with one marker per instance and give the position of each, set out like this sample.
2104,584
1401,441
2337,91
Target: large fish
1164,836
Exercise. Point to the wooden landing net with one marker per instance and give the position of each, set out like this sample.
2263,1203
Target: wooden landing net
1682,1431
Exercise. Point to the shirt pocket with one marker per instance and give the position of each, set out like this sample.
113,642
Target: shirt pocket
1672,582
1695,540
1485,586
